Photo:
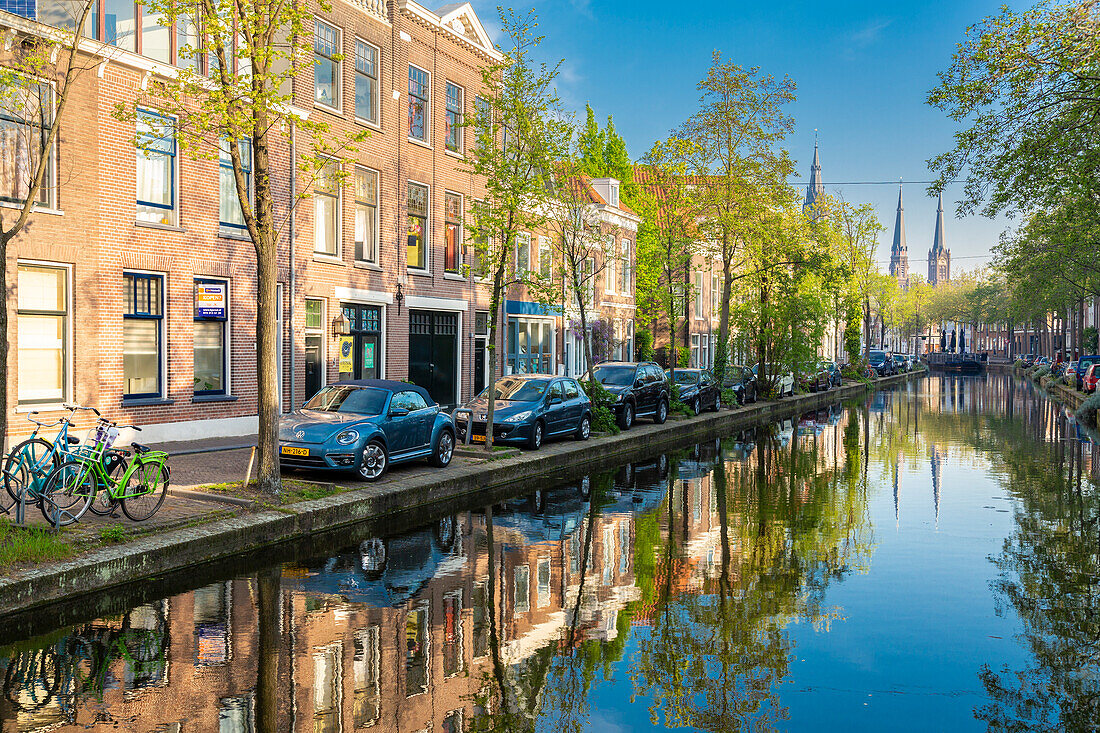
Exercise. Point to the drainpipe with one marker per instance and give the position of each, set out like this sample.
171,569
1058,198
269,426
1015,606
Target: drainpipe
293,280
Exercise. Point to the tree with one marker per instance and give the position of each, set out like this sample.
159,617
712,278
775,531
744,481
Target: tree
520,134
859,230
667,240
35,88
617,162
737,167
591,143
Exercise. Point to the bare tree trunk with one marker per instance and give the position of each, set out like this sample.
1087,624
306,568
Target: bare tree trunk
494,326
267,667
267,316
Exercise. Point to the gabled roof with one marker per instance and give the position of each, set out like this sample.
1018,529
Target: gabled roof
457,20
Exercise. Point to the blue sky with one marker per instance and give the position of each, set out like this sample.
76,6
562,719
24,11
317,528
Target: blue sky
863,70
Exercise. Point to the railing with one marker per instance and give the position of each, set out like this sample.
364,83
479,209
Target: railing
374,7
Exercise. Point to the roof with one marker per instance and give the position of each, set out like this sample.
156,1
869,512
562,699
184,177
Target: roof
389,385
815,187
939,241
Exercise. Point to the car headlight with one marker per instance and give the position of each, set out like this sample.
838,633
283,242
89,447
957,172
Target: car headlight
518,417
619,397
347,437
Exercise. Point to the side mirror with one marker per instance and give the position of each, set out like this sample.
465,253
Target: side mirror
555,399
638,382
398,412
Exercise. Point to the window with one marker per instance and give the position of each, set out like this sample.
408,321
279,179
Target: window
231,213
695,351
327,686
454,117
452,634
480,240
156,36
120,24
366,705
544,583
418,225
156,168
484,120
617,343
546,258
42,323
698,295
416,651
523,253
572,392
26,113
366,215
366,81
418,104
522,578
629,348
326,67
609,267
141,334
187,42
624,273
452,211
211,314
326,208
588,280
715,295
704,352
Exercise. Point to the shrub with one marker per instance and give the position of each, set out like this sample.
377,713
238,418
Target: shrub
112,533
1040,371
1086,413
675,406
729,398
603,417
1019,364
643,345
1091,337
683,357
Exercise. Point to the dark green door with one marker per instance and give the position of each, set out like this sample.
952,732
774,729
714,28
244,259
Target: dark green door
366,331
433,353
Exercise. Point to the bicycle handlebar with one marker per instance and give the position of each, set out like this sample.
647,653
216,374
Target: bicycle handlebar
74,407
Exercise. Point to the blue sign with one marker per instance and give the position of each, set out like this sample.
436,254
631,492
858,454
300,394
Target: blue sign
210,300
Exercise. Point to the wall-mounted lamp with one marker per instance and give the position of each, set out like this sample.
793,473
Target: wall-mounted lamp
341,326
399,296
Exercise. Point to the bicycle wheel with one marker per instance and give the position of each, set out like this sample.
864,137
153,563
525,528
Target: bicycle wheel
151,480
67,493
26,467
104,504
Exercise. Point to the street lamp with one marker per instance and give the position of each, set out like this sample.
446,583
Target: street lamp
341,326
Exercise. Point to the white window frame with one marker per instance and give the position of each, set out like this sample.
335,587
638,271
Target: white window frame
175,174
67,381
377,217
609,272
427,141
699,297
377,97
461,131
546,256
715,289
523,240
50,183
338,233
427,269
338,107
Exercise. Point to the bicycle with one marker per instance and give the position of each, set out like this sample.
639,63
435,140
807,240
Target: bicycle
30,462
72,487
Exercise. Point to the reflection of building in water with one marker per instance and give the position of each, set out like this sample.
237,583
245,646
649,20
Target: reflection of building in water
939,460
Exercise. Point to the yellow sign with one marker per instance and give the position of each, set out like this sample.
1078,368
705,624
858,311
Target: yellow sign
347,361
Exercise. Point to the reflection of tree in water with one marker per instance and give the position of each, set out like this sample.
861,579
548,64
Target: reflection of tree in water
1049,566
787,527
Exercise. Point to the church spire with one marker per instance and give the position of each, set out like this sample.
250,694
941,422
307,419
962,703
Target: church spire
939,257
815,187
899,252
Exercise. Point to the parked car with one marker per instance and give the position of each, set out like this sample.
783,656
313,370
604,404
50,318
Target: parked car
364,425
639,388
1083,365
883,362
1092,376
814,379
833,368
1069,373
781,379
698,389
529,409
1029,360
1042,360
742,382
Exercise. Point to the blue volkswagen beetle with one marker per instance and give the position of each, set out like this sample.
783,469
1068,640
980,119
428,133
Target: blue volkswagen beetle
530,408
363,425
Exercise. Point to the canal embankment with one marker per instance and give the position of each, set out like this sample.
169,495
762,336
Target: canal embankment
405,491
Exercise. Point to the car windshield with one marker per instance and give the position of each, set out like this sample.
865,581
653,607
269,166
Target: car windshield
877,356
616,376
683,377
348,398
518,390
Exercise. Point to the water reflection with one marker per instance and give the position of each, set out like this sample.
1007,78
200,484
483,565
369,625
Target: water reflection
696,589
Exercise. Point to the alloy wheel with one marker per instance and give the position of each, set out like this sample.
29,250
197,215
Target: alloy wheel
374,461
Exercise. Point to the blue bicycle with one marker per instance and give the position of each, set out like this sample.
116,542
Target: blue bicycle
29,464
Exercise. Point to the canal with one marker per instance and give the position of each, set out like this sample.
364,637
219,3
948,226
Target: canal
923,559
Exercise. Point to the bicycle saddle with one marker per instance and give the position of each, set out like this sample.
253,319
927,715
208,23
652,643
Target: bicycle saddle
139,448
72,439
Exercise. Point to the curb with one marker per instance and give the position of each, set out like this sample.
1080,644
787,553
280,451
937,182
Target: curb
561,461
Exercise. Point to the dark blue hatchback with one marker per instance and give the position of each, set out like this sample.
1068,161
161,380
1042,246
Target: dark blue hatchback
528,409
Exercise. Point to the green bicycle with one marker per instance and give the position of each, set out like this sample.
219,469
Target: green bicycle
72,488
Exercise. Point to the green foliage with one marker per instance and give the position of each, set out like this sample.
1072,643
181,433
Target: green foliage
603,416
591,144
1090,340
643,345
683,357
617,163
852,331
112,533
1088,409
729,398
30,545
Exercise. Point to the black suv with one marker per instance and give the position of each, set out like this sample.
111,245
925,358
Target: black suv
883,362
640,390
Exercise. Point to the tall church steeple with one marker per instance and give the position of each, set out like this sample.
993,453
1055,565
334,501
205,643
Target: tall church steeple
815,187
899,252
939,257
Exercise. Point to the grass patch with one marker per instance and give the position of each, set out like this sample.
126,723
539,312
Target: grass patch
112,533
294,491
33,545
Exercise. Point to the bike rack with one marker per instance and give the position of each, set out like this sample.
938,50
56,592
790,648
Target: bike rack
469,421
21,511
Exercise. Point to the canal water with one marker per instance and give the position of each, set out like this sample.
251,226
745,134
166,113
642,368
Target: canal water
924,559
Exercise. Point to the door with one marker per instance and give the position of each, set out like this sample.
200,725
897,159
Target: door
480,368
404,432
433,353
313,365
574,405
555,408
365,323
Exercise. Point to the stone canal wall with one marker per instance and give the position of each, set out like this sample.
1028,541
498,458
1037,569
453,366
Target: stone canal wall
172,551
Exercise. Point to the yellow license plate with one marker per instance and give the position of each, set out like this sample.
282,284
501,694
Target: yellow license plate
477,438
290,450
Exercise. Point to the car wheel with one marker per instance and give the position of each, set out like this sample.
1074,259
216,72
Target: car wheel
444,449
535,441
695,406
662,412
584,430
374,462
372,557
627,418
445,533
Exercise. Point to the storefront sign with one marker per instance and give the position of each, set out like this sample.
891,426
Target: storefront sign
209,300
347,362
368,356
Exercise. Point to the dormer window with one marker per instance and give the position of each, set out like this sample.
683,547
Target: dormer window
608,189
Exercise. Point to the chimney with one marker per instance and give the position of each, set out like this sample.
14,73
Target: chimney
608,189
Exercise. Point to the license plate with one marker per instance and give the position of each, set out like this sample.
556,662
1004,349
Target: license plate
290,450
477,438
